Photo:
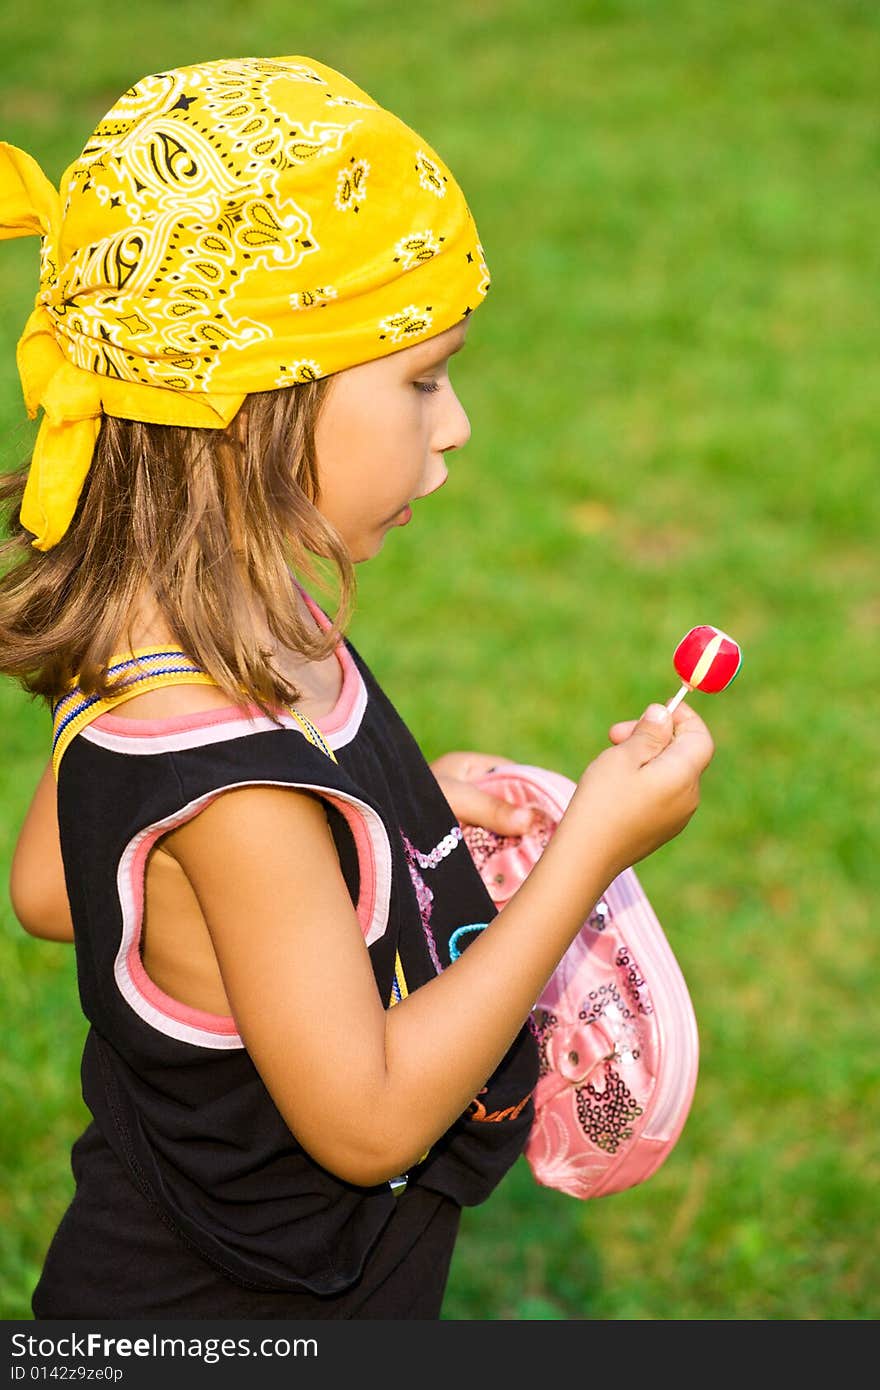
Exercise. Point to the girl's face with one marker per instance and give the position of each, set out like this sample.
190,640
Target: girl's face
382,435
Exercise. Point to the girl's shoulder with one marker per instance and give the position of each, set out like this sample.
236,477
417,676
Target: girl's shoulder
161,700
170,702
157,691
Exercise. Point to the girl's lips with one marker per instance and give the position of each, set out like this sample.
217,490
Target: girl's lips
403,516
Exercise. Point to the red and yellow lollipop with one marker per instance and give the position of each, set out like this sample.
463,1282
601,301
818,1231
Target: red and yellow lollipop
706,659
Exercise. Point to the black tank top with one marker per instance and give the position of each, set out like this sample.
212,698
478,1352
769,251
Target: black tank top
172,1088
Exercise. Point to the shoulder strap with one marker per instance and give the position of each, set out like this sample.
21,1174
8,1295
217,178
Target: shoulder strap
150,668
147,668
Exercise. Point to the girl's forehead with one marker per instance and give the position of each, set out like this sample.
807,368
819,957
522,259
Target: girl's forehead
442,345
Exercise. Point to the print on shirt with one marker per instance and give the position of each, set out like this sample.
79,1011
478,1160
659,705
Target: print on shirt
417,861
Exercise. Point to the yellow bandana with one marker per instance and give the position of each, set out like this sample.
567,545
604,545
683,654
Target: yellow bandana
230,227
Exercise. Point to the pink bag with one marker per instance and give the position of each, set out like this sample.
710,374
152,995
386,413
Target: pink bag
615,1025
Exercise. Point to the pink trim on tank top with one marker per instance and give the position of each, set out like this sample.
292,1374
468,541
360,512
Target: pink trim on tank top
199,719
222,1024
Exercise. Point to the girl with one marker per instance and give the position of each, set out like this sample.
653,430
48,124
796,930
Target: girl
252,283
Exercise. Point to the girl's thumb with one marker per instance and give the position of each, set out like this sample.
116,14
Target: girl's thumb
653,731
493,813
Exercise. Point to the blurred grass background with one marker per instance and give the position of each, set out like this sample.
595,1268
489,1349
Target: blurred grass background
674,397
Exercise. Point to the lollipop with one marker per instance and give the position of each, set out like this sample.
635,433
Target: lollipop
706,659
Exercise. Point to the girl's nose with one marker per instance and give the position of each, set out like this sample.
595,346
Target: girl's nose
456,427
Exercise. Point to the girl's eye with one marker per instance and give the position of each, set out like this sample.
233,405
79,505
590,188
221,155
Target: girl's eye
427,385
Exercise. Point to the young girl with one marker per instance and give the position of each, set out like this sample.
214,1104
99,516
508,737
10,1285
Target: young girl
252,283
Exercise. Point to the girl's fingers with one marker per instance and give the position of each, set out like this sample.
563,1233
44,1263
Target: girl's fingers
619,733
692,737
472,806
467,766
684,720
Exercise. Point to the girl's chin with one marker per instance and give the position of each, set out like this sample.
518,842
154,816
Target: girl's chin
367,549
366,546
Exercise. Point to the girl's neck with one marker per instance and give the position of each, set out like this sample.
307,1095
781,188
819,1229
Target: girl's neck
149,628
320,682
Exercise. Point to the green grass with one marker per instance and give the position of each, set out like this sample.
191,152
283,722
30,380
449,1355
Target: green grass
670,391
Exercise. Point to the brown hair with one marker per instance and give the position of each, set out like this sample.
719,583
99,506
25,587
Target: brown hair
211,521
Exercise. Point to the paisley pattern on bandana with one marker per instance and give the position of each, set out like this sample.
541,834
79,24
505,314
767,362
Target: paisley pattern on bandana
309,299
351,186
229,227
431,176
298,373
411,323
418,246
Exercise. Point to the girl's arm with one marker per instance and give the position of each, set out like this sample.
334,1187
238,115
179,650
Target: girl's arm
367,1090
37,889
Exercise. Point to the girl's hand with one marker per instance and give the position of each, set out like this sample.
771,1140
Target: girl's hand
458,774
642,792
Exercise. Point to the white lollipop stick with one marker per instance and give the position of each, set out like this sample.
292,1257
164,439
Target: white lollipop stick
676,700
